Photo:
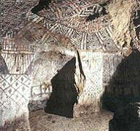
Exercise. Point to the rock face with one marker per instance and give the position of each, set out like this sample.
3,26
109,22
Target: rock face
123,32
126,118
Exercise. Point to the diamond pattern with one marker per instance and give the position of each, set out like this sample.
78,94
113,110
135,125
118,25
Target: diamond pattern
9,92
5,85
14,89
16,96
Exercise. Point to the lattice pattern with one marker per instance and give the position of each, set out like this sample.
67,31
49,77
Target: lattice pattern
14,87
8,44
93,68
90,10
65,9
14,95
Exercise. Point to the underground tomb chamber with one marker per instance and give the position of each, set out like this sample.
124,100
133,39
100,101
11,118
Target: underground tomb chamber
77,89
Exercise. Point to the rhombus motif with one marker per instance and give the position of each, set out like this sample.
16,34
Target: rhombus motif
14,88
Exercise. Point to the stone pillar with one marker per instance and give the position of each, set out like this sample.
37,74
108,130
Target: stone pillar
98,68
89,98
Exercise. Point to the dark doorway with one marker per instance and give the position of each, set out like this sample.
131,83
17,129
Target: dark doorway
96,14
124,87
41,5
64,93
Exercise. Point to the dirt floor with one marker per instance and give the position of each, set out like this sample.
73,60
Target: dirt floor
41,121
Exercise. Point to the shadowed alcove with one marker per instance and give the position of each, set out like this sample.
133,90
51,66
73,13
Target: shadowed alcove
124,87
40,6
64,93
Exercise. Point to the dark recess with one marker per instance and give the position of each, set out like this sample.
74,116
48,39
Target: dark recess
136,19
64,93
136,22
126,118
41,5
96,15
125,79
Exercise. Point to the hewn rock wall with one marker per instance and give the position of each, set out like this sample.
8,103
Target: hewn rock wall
122,27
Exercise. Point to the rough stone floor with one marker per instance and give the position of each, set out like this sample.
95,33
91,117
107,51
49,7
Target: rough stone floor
41,121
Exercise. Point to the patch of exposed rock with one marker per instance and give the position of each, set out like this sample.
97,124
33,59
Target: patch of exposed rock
122,14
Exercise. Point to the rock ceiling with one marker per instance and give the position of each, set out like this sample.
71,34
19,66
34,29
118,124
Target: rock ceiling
79,24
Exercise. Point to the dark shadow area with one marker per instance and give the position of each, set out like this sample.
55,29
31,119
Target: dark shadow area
126,118
136,19
41,5
3,66
136,22
124,87
97,14
64,93
122,93
138,32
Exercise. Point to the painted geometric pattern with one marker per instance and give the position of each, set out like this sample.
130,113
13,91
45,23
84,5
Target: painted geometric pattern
84,39
68,8
93,90
17,63
14,88
14,96
17,57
